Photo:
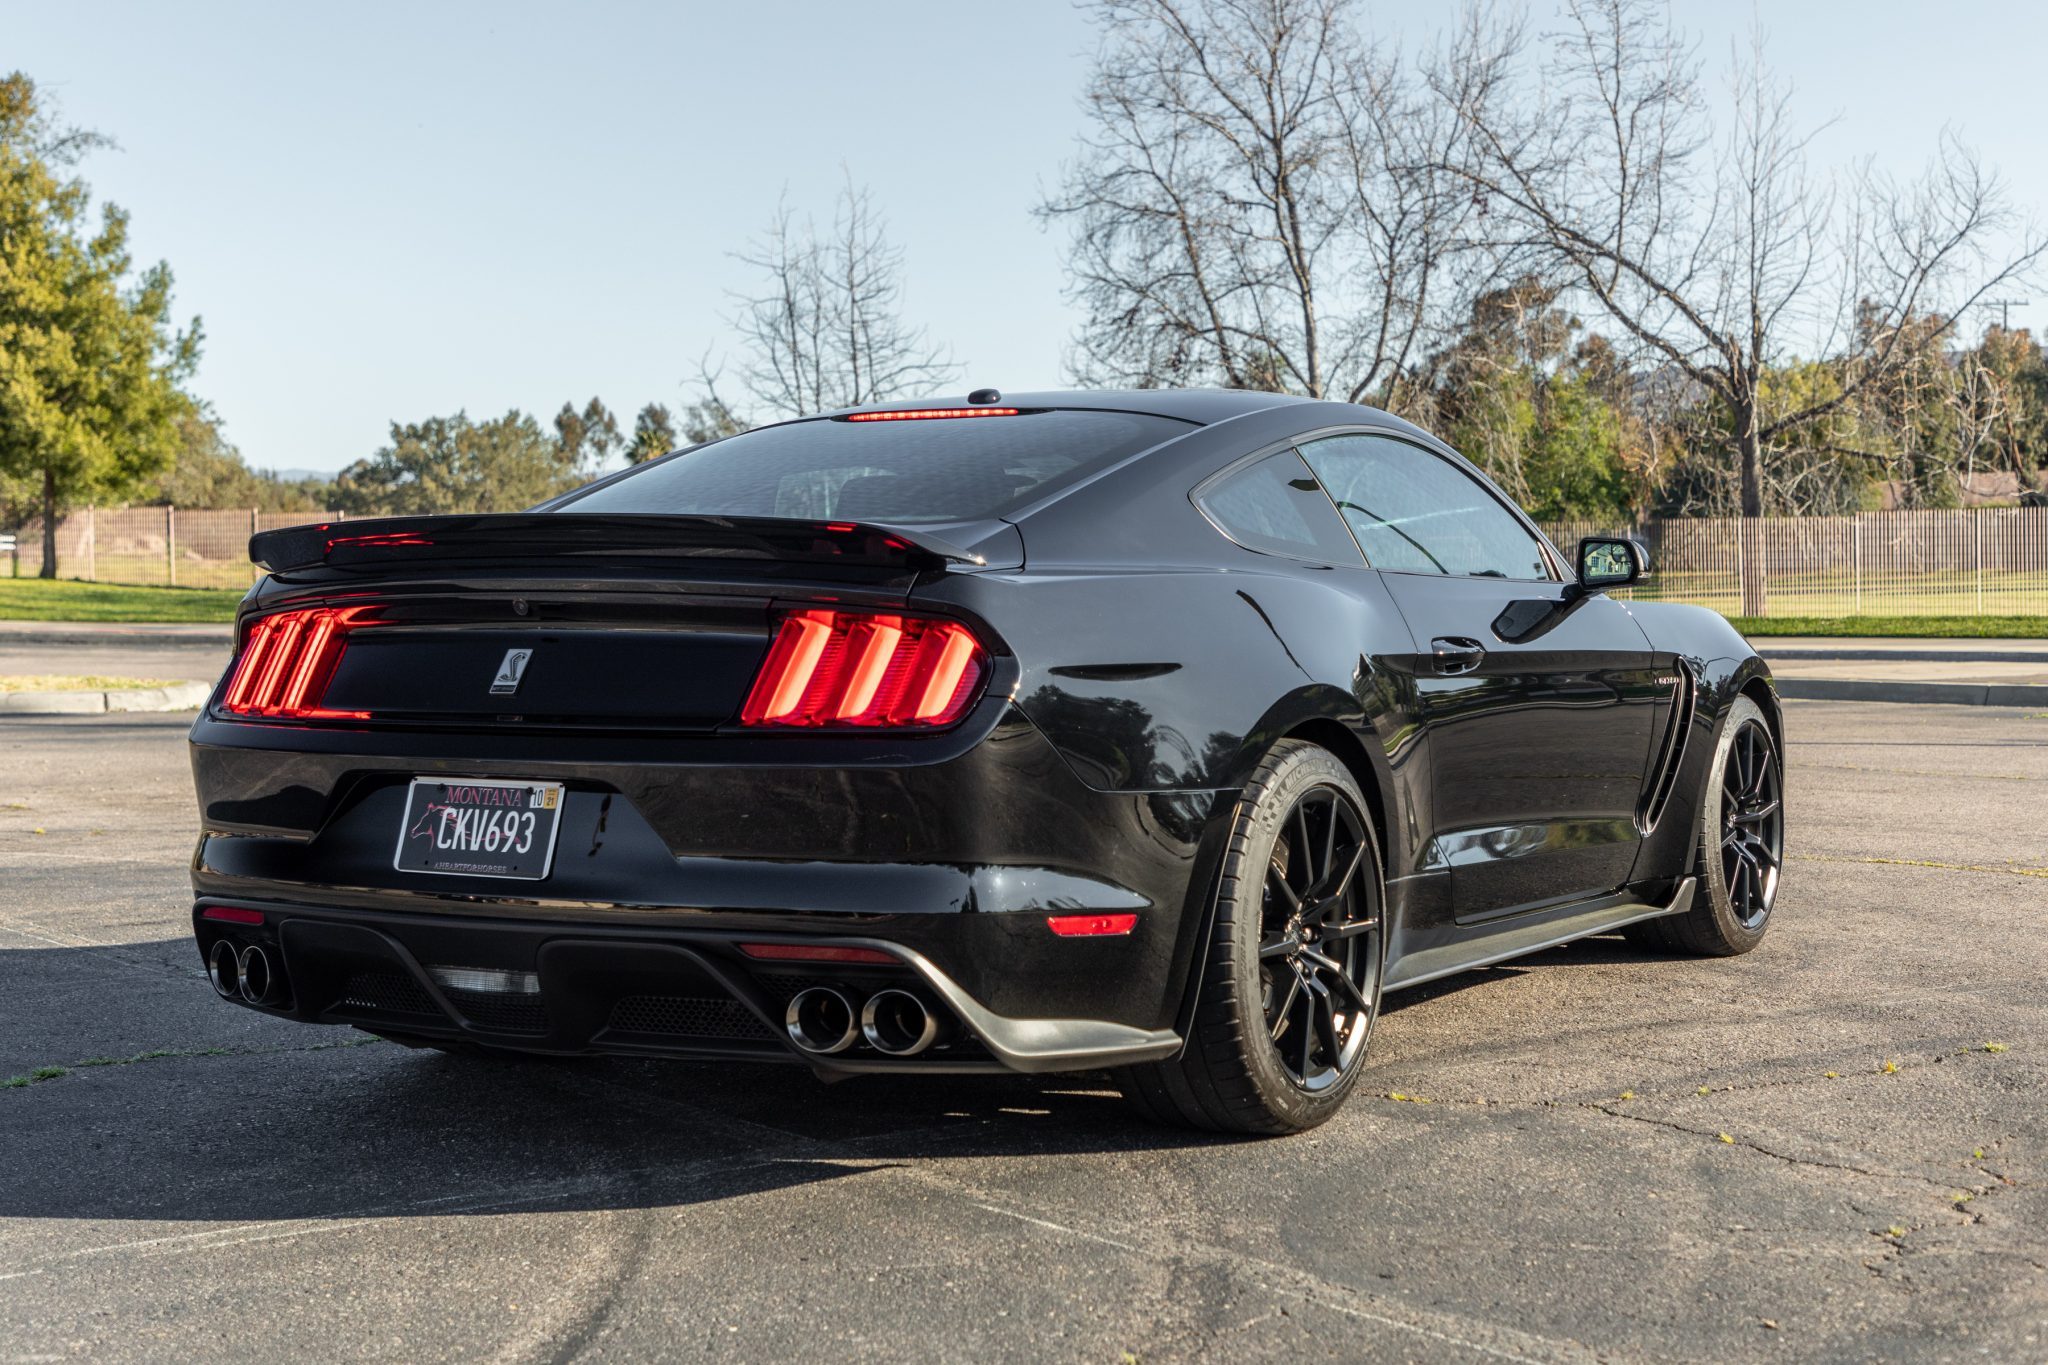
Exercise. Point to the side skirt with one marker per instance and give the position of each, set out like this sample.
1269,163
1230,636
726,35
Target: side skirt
1532,934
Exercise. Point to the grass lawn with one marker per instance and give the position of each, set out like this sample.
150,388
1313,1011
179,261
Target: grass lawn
1919,627
66,599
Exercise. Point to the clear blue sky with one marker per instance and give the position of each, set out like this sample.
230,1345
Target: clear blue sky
396,210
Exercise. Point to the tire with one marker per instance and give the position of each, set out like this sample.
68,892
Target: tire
1271,1051
1729,916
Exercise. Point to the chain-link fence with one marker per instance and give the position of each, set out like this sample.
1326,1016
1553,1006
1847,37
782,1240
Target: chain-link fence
176,546
1980,561
1984,561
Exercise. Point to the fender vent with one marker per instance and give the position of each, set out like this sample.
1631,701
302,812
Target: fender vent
1685,698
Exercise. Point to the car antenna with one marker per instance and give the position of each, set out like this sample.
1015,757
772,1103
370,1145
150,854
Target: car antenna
983,396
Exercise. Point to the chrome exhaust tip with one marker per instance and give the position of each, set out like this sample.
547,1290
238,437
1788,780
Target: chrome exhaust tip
900,1023
821,1020
257,981
223,971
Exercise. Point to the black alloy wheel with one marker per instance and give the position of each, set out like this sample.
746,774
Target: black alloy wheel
1316,959
1752,824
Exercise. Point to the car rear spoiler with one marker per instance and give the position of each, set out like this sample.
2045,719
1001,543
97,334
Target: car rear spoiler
382,541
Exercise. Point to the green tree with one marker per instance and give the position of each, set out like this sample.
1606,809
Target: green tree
1546,423
654,434
588,438
90,364
208,472
451,464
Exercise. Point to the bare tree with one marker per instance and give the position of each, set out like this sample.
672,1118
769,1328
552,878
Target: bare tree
1261,202
1704,240
826,331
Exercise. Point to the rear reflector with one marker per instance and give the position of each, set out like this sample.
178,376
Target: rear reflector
804,952
1091,926
486,980
867,670
286,664
232,915
928,414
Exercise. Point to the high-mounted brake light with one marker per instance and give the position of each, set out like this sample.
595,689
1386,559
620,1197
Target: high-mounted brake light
287,662
868,670
927,414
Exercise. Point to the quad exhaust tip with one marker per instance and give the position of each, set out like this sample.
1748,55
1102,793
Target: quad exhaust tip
258,982
900,1023
224,971
822,1021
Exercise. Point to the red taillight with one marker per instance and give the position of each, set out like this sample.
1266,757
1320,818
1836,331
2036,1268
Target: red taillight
804,952
1090,926
286,664
833,668
232,915
927,414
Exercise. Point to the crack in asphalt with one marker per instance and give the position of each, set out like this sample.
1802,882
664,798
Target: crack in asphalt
1935,864
1484,1338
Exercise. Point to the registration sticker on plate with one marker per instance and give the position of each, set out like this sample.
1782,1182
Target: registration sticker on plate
479,827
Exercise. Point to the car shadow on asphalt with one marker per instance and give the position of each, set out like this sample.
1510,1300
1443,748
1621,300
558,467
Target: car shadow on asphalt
301,1121
288,1121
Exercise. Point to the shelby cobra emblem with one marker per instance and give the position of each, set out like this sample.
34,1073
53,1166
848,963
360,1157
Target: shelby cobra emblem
510,672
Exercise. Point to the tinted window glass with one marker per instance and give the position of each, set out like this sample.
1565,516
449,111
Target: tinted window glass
1414,510
1277,506
944,469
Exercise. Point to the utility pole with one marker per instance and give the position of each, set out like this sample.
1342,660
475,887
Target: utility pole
2005,307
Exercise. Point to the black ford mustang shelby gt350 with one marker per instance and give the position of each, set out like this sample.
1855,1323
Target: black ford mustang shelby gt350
1155,732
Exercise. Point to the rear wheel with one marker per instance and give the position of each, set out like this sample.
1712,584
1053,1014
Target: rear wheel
1291,971
1741,845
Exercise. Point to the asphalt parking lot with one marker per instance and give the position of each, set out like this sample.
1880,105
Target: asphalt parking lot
1830,1149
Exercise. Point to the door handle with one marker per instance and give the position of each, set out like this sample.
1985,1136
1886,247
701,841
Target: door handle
1454,654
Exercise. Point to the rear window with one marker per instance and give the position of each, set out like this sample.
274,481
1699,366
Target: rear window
940,469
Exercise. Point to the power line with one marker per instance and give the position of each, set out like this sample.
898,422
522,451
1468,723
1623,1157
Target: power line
2005,307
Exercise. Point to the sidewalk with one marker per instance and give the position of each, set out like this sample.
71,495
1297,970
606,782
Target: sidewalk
112,633
1966,672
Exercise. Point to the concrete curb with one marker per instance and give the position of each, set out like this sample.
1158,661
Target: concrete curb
1921,693
1950,656
186,696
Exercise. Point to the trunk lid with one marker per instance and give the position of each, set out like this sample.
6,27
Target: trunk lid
559,621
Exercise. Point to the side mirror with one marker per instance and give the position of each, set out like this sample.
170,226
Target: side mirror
1611,562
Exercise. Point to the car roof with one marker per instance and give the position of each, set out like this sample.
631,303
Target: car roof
1201,406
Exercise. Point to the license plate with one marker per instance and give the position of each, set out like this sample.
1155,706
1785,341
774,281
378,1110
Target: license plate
479,827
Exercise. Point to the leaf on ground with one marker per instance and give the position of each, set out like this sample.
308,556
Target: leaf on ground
1890,1066
1994,1047
1833,1075
1727,1139
1628,1094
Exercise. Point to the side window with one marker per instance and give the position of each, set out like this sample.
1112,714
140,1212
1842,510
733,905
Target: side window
1416,511
1276,507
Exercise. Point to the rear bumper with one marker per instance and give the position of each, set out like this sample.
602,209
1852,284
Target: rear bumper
949,853
600,988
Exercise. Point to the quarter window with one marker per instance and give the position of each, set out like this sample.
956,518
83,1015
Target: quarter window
1275,506
1416,511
